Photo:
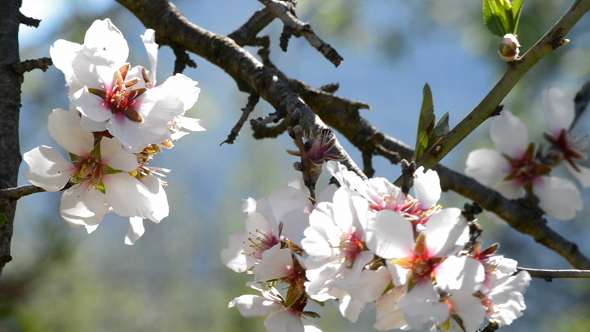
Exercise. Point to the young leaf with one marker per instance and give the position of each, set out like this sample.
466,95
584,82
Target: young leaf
516,10
3,219
496,17
425,122
440,130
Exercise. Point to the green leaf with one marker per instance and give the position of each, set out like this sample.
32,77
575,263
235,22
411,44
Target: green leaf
440,130
497,16
3,219
425,123
516,10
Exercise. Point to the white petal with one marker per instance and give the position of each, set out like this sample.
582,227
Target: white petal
65,128
149,41
62,54
446,232
158,198
583,176
47,169
389,235
509,134
189,123
350,308
558,107
112,153
371,284
91,125
559,198
127,196
284,321
470,309
104,36
183,88
234,257
254,305
460,275
427,187
91,105
486,166
275,264
82,205
135,230
509,189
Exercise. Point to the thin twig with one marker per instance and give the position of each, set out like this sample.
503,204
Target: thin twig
235,131
18,192
28,65
548,275
246,34
284,11
29,21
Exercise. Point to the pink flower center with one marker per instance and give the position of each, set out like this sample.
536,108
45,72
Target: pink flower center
351,246
261,242
525,170
120,99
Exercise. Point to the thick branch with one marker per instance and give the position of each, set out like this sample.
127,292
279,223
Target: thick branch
171,26
516,70
10,94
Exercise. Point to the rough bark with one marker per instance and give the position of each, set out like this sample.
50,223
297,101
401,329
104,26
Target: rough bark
10,94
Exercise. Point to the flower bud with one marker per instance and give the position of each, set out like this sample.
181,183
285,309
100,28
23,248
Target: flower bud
509,48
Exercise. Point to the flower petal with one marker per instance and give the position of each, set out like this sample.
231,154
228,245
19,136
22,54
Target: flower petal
83,205
47,169
135,230
389,235
559,198
558,108
486,166
509,134
65,128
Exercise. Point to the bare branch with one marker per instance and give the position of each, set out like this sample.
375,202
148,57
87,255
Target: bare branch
235,131
549,275
246,34
28,65
16,193
29,21
171,26
285,11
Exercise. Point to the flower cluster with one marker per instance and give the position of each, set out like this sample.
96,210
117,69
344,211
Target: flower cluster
119,119
518,168
368,242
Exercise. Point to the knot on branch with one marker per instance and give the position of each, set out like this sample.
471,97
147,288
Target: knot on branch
183,60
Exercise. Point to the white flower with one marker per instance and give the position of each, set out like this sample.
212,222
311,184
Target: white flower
335,244
513,170
280,318
115,97
559,112
99,174
382,194
427,258
284,213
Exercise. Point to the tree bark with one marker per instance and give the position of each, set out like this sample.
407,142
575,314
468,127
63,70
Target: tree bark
10,98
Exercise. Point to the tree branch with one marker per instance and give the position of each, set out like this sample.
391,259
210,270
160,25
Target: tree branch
549,275
285,12
10,98
13,194
515,71
171,26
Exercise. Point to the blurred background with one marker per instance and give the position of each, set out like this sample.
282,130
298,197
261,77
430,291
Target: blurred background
172,279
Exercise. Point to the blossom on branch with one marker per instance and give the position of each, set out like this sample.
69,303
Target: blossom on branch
513,170
113,96
99,174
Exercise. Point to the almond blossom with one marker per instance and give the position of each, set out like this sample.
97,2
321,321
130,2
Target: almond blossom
114,96
513,170
559,111
99,174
